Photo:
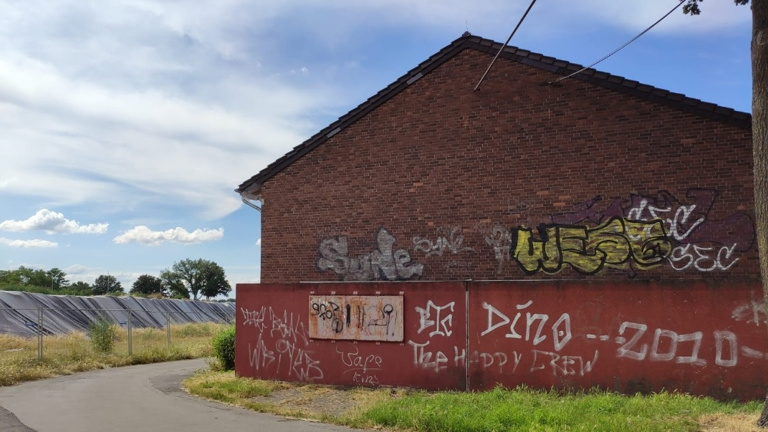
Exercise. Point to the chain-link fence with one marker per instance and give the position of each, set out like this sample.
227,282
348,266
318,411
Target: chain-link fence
135,329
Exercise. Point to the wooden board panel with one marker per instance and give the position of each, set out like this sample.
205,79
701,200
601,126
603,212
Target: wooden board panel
364,318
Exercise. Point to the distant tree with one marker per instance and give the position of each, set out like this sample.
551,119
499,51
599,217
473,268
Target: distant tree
198,277
173,284
148,285
106,284
38,278
9,277
80,287
58,278
215,281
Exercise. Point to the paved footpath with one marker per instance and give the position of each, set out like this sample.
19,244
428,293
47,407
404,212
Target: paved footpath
131,399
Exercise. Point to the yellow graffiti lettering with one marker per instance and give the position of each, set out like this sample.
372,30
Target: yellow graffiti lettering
534,255
617,243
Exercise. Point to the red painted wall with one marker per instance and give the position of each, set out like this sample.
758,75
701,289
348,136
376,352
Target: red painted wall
273,338
689,336
686,336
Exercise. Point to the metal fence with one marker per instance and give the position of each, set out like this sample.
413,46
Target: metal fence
39,323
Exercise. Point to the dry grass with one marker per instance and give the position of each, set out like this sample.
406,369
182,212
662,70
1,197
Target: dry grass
339,405
70,353
740,422
354,407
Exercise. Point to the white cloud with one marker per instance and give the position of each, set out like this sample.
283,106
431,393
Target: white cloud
258,243
6,182
52,222
123,106
146,101
144,235
35,243
636,16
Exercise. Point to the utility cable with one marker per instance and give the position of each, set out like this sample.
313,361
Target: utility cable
505,45
621,47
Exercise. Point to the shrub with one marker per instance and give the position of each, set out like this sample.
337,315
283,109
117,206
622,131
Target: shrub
102,334
224,348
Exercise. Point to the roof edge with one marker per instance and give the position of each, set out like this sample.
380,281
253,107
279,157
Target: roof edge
603,79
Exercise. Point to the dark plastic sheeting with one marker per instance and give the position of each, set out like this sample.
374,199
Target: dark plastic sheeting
20,312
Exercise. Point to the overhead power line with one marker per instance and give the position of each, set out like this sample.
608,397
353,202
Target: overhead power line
505,45
621,47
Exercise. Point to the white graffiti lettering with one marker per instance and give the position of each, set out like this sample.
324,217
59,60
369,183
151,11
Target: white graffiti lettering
703,259
562,365
254,318
363,363
436,318
723,339
300,363
447,241
625,350
424,359
535,326
752,312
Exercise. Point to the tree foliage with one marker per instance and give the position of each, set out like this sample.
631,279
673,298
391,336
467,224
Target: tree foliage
174,285
53,279
80,288
147,285
199,278
58,278
107,284
185,279
691,7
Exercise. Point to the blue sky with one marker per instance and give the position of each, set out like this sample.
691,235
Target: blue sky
125,126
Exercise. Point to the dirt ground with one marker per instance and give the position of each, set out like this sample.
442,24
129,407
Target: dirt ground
314,402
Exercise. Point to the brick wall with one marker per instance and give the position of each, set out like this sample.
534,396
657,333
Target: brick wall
441,182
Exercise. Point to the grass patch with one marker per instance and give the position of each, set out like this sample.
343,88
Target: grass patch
225,387
497,410
75,352
533,410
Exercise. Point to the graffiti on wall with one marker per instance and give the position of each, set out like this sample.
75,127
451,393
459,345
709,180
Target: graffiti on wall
434,321
360,367
449,239
499,239
384,263
615,243
637,233
691,239
284,350
638,341
700,339
538,342
371,318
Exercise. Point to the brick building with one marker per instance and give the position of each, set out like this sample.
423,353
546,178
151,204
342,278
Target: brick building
594,176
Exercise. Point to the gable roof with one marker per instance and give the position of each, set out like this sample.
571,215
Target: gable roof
468,41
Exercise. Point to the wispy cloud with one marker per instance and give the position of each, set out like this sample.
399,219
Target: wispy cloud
35,243
144,235
122,106
52,222
163,89
639,15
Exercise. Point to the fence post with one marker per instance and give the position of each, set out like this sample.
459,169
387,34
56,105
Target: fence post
130,333
168,327
40,333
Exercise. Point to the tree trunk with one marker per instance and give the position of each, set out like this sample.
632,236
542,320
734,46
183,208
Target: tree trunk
760,144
